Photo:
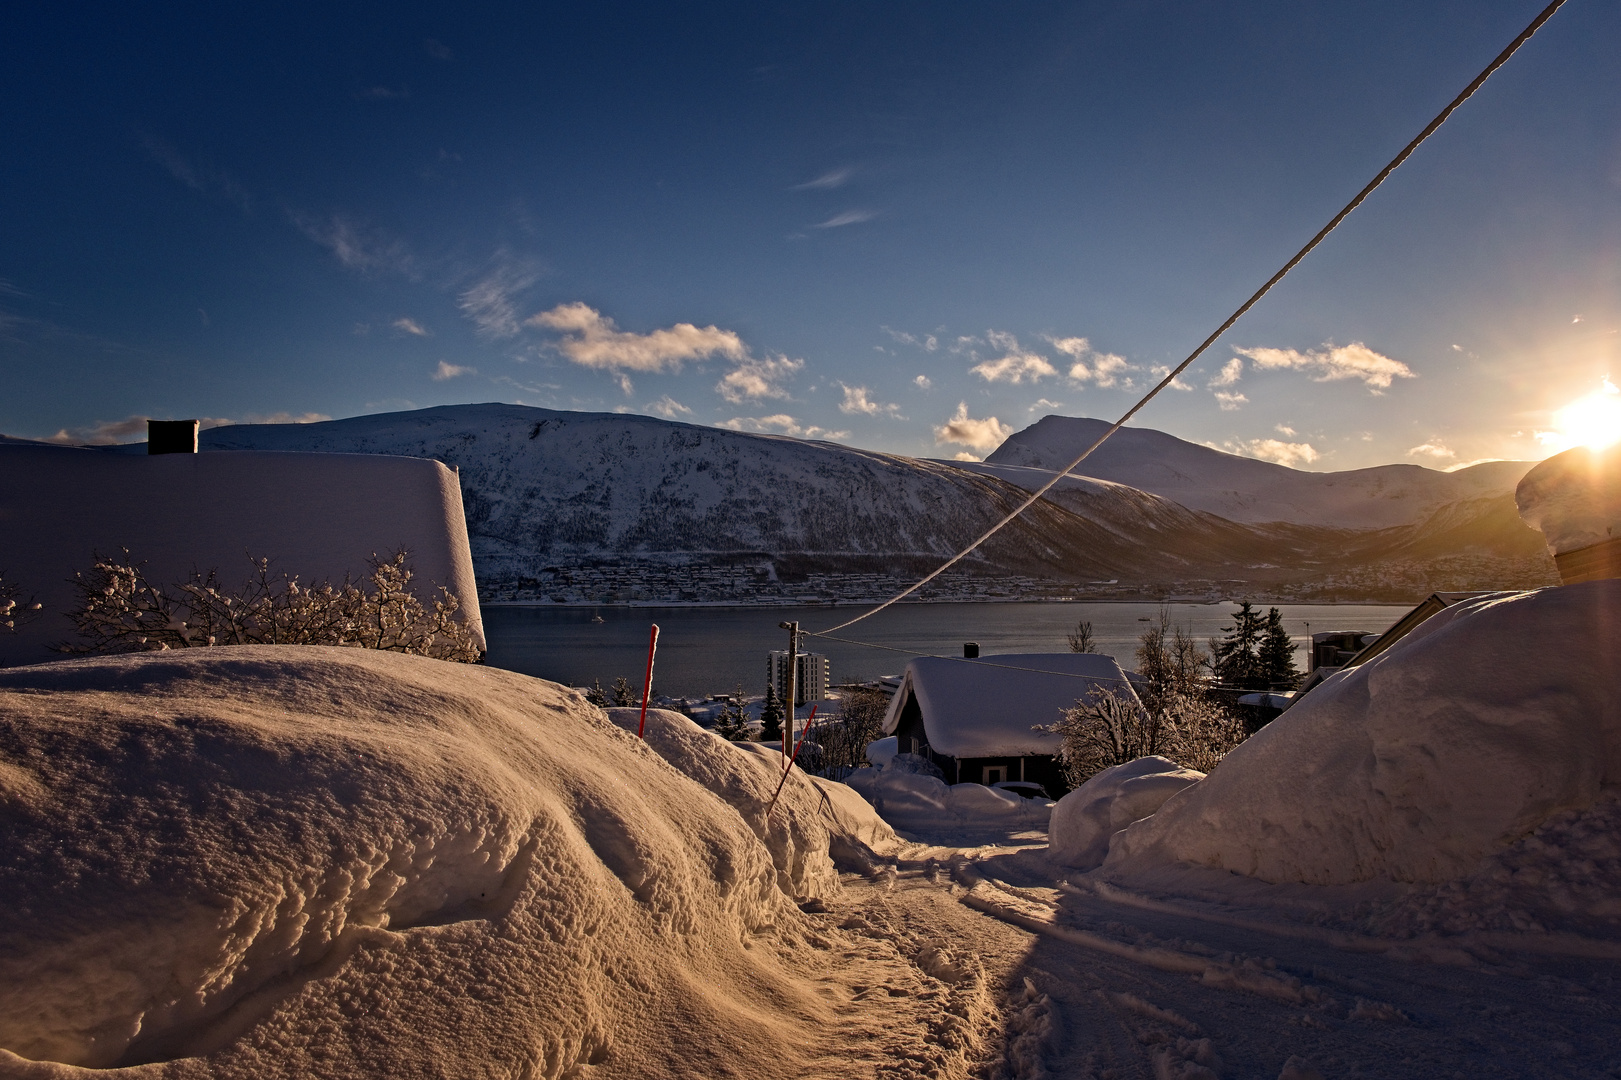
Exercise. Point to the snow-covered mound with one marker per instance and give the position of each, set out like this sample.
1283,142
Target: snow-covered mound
813,821
1084,820
1574,498
927,806
1492,717
295,861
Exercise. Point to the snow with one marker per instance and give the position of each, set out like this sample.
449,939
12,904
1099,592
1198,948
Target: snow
1084,821
318,516
1475,730
990,707
881,752
925,806
296,861
1574,498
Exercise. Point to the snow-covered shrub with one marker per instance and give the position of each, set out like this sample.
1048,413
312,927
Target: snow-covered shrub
121,611
1111,728
13,608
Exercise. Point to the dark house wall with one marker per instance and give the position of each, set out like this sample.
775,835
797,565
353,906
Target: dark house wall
912,738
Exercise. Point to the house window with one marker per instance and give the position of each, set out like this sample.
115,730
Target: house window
993,776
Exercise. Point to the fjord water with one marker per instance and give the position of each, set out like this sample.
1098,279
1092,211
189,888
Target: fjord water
707,650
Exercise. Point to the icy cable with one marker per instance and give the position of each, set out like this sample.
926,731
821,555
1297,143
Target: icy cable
828,636
1406,151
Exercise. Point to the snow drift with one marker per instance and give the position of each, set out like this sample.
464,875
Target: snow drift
1488,720
295,861
1086,819
926,805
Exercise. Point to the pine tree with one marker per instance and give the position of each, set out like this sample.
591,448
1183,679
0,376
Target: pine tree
622,693
733,722
1080,639
1236,658
770,716
596,695
1277,654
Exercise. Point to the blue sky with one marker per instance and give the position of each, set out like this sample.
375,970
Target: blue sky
910,227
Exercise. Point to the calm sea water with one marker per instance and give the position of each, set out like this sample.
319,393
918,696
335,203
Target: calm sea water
711,650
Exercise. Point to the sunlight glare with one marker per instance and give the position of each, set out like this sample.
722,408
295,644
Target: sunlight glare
1593,421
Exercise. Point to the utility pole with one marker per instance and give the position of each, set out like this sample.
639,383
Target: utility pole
793,685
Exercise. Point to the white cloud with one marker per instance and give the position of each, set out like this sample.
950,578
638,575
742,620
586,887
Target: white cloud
1159,371
755,380
133,428
489,302
200,179
831,179
591,340
1103,369
1014,367
1292,454
922,382
447,370
412,327
780,423
1461,465
1230,373
1230,402
272,418
668,407
963,455
1434,448
1331,362
358,247
849,217
1285,429
857,401
985,435
927,342
1043,403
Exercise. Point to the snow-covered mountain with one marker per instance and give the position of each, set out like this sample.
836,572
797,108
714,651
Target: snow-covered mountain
1247,490
544,489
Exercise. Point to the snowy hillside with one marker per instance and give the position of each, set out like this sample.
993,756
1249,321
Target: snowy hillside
1247,490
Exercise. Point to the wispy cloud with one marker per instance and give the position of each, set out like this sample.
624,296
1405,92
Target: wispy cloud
1230,373
926,342
1103,369
406,325
133,428
1015,365
447,370
922,382
1159,371
756,380
984,435
1229,401
1285,429
849,217
1435,448
272,418
592,340
857,401
438,50
667,407
383,93
357,246
780,424
831,179
1292,454
490,302
1043,403
200,178
1332,362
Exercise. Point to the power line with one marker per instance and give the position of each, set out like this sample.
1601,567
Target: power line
828,636
1406,151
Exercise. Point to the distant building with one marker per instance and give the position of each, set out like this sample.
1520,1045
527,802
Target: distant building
810,683
976,719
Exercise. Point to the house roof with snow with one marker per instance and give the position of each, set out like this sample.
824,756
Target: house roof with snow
989,706
316,516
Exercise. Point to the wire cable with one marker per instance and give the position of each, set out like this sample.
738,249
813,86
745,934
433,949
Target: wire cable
1406,151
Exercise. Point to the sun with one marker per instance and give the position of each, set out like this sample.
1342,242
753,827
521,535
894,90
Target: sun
1593,421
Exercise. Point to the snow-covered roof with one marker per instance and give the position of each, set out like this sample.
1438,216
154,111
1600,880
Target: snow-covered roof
317,516
988,707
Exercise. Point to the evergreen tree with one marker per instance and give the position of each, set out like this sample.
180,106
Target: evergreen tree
1236,658
622,693
1277,654
596,695
733,722
770,716
1080,639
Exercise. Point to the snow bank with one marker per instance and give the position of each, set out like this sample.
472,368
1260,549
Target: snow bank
318,516
1084,820
1489,719
919,803
1574,498
297,861
881,752
812,823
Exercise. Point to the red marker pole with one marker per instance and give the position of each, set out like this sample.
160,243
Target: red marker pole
809,723
647,684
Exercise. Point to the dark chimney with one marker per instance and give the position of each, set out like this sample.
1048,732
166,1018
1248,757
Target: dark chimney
970,650
171,436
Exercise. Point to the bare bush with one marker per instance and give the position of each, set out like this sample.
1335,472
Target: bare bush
121,611
14,610
843,738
